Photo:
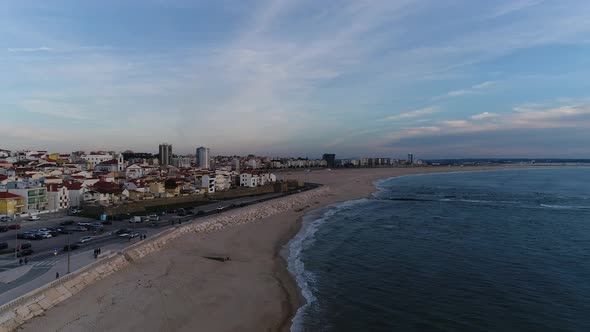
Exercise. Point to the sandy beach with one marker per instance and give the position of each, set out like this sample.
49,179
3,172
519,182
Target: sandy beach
177,289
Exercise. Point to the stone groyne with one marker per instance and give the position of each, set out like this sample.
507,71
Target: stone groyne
35,303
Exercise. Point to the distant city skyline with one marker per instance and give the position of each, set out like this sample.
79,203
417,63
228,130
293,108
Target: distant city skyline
504,78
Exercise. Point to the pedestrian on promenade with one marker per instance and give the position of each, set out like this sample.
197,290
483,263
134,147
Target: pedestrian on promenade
99,250
20,261
56,275
26,261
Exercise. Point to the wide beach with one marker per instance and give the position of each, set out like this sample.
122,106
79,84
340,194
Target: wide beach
176,289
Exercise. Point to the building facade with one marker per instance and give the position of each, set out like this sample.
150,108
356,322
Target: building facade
202,159
330,159
165,154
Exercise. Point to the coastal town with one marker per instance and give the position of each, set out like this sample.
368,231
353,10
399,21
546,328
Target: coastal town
34,182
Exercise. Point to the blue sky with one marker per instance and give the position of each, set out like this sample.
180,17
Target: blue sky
455,78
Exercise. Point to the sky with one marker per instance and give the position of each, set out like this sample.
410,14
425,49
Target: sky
359,78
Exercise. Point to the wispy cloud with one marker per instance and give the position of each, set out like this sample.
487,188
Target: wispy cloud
472,90
484,115
567,116
28,49
414,114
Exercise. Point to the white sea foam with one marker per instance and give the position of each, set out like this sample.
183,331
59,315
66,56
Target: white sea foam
305,238
564,207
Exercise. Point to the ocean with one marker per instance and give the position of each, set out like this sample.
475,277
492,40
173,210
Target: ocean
468,251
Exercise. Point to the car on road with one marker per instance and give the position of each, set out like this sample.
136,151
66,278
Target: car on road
154,217
136,219
5,219
85,239
34,218
14,226
78,229
66,230
130,235
26,245
96,226
200,212
122,231
74,211
219,209
67,223
72,246
84,223
24,252
153,224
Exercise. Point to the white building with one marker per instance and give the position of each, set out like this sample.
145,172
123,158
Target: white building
95,159
57,197
75,194
208,182
249,180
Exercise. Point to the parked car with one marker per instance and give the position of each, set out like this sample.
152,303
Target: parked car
45,234
67,223
24,236
36,235
24,252
154,217
3,245
54,231
85,239
74,211
3,229
84,223
71,246
66,230
5,219
33,218
14,226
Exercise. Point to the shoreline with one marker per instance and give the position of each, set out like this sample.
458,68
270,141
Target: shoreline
177,289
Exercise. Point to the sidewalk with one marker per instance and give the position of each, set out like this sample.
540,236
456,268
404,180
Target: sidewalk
77,261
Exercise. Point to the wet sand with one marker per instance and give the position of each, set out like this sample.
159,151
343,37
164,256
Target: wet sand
177,289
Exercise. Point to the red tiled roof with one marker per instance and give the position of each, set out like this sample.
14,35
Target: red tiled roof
7,195
73,185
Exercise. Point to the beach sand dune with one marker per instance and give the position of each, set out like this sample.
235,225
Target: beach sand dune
177,289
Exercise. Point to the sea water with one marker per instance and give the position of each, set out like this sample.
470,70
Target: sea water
471,251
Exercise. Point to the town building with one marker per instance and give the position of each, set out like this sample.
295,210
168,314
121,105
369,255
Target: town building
330,159
165,154
202,158
57,197
11,204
